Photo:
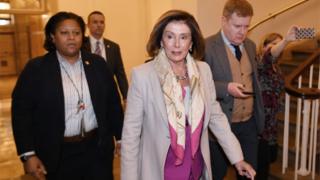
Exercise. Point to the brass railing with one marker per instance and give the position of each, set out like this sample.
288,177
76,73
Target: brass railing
273,15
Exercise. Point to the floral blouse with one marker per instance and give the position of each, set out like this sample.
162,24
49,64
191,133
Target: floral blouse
272,85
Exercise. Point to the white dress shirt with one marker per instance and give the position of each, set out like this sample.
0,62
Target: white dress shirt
93,44
228,43
71,98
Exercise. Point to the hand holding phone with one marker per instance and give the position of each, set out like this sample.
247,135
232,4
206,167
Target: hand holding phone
248,93
305,33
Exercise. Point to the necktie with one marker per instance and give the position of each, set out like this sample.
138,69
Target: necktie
237,51
98,49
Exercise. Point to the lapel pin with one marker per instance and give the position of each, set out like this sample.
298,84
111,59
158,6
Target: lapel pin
87,62
108,46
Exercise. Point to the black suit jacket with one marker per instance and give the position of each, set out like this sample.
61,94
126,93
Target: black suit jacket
38,117
114,62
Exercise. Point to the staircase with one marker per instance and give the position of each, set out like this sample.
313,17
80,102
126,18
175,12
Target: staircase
294,54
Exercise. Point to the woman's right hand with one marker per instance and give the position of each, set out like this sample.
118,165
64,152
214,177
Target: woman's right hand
291,34
35,168
245,169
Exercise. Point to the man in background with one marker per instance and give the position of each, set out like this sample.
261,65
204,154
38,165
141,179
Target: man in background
106,48
231,57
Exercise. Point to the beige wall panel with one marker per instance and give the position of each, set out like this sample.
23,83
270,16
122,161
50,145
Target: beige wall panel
307,15
24,58
36,43
209,16
125,24
154,9
7,56
129,22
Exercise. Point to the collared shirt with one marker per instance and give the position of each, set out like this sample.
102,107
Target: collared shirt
93,44
73,116
228,43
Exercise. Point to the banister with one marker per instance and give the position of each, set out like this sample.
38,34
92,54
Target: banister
276,14
305,93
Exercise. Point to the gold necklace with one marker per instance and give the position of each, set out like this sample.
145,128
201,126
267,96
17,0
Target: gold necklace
181,78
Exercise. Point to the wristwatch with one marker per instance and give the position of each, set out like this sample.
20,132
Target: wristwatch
24,158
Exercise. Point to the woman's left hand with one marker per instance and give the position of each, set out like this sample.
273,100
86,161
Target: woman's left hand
245,169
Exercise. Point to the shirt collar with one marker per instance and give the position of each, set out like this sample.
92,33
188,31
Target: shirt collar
228,43
93,41
63,61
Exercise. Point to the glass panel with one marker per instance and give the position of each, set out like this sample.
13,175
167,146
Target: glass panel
4,18
25,7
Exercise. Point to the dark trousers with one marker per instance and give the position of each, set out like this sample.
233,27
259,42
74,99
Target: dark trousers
246,133
267,154
84,161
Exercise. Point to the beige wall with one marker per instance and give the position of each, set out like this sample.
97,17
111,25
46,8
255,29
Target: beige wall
306,15
209,15
129,22
126,24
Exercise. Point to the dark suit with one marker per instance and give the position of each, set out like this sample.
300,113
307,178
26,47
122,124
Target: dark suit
115,63
38,115
217,58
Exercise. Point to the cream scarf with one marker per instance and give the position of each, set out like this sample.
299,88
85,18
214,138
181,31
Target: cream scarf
174,102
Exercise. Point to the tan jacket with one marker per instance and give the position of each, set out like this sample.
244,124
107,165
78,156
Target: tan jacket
145,136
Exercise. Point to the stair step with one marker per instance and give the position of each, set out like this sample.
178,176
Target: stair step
293,117
292,141
302,55
287,66
292,136
295,54
276,168
289,63
293,63
276,172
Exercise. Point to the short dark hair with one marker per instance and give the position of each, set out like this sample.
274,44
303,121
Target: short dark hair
241,7
52,26
94,12
154,42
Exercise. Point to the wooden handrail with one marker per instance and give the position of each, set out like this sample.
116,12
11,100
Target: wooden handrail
276,14
305,93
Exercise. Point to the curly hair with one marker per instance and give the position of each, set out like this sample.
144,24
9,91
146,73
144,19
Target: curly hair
53,24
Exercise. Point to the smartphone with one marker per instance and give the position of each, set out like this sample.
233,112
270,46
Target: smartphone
248,93
305,33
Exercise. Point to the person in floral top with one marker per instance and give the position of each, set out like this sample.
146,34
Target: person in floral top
272,85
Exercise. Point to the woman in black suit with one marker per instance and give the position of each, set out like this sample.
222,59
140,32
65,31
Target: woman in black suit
66,108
